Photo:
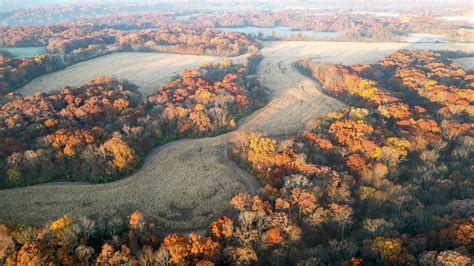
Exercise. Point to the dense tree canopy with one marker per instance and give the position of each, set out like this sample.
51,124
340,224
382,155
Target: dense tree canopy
102,129
376,166
188,41
351,25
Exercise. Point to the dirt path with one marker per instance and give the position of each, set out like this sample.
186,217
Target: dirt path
186,184
252,185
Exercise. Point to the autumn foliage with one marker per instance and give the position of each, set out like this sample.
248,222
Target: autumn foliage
71,43
99,131
385,182
378,164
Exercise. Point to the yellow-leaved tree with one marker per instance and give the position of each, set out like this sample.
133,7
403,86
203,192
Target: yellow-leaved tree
122,155
261,150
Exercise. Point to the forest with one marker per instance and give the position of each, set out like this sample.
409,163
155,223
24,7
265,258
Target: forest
61,39
354,188
67,12
101,130
353,27
90,11
189,41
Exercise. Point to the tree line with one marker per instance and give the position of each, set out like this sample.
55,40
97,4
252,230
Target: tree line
17,72
70,45
352,26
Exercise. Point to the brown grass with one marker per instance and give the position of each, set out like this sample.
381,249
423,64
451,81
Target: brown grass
147,70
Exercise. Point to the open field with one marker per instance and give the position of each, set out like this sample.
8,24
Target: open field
185,184
351,52
147,70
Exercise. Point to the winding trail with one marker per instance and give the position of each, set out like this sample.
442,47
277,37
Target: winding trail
185,184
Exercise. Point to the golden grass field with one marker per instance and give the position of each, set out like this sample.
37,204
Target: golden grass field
147,70
185,184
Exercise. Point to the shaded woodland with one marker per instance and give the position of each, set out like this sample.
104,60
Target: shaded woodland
102,130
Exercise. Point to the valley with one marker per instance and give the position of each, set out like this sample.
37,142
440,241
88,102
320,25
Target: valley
185,184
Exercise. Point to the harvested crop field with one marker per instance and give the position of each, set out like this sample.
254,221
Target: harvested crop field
351,52
147,70
185,184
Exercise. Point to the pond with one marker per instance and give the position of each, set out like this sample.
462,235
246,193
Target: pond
424,37
280,32
24,51
465,62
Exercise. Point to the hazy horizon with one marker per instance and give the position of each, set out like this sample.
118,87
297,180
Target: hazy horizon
9,5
